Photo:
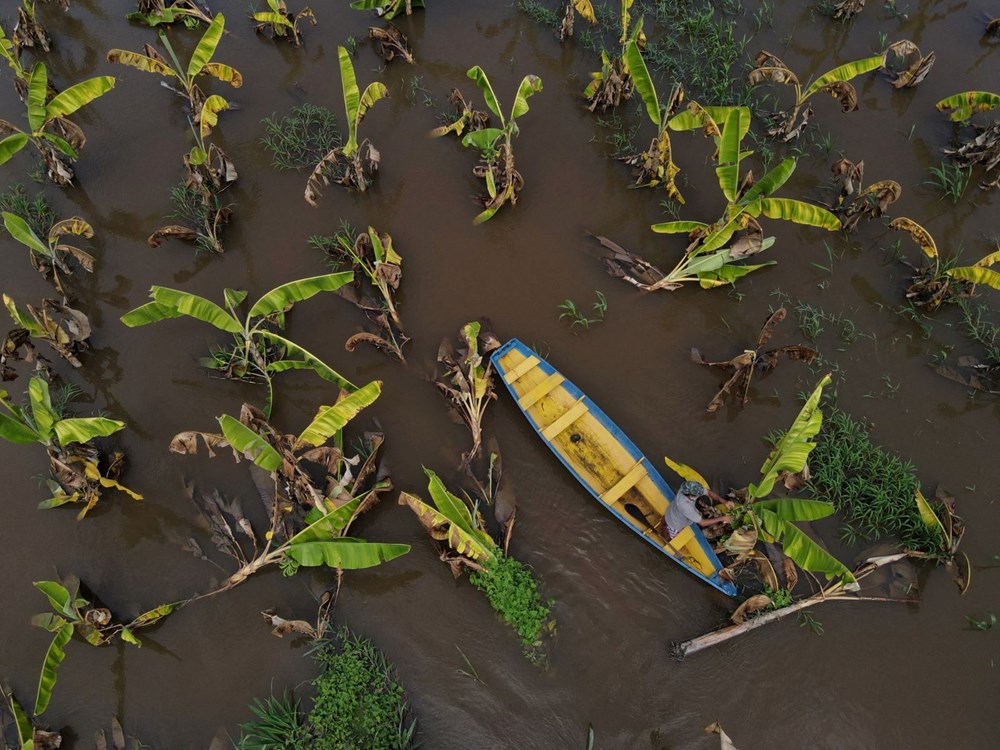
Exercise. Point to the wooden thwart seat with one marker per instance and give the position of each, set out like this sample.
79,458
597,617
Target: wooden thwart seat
541,390
573,413
632,477
516,372
681,540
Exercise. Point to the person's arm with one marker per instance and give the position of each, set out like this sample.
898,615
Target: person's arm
706,522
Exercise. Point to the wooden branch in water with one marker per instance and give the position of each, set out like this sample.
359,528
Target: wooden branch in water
834,592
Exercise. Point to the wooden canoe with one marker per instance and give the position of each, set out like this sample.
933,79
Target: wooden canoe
601,457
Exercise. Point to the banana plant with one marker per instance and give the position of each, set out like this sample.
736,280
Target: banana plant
464,543
984,146
74,614
279,22
466,379
157,12
184,77
360,160
63,328
762,518
654,166
258,352
714,257
75,463
585,9
57,138
28,31
613,83
378,270
467,117
311,508
788,125
52,256
388,9
22,76
933,285
496,145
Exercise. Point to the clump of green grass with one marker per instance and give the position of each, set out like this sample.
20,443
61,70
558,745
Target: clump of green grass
303,137
981,325
513,592
539,13
569,309
36,211
871,487
359,705
950,179
700,48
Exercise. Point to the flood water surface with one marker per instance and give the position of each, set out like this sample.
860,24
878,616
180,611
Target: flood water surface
880,676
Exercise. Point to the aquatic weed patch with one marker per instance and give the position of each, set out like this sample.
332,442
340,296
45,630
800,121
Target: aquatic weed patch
513,592
359,705
302,137
871,487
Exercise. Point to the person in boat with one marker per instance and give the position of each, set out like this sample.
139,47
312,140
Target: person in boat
683,511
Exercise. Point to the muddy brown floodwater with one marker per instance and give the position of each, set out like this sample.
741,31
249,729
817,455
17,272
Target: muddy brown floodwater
881,675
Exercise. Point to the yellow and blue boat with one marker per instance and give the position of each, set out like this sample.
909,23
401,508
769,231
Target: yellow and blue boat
601,457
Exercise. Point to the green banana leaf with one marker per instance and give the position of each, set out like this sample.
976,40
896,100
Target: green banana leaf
38,91
977,275
21,721
478,75
770,182
966,104
206,46
643,81
844,72
730,273
329,525
17,432
151,312
448,530
188,304
41,407
330,420
210,114
60,143
306,361
678,227
141,62
22,232
53,658
60,598
799,212
250,444
345,553
806,553
530,84
484,139
11,145
224,73
796,508
792,451
82,429
69,101
692,120
280,299
453,509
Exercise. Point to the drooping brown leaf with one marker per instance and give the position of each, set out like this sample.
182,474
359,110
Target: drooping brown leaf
916,65
469,119
281,627
790,572
983,149
638,272
849,176
972,373
614,86
173,231
846,9
390,42
844,92
750,607
993,28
